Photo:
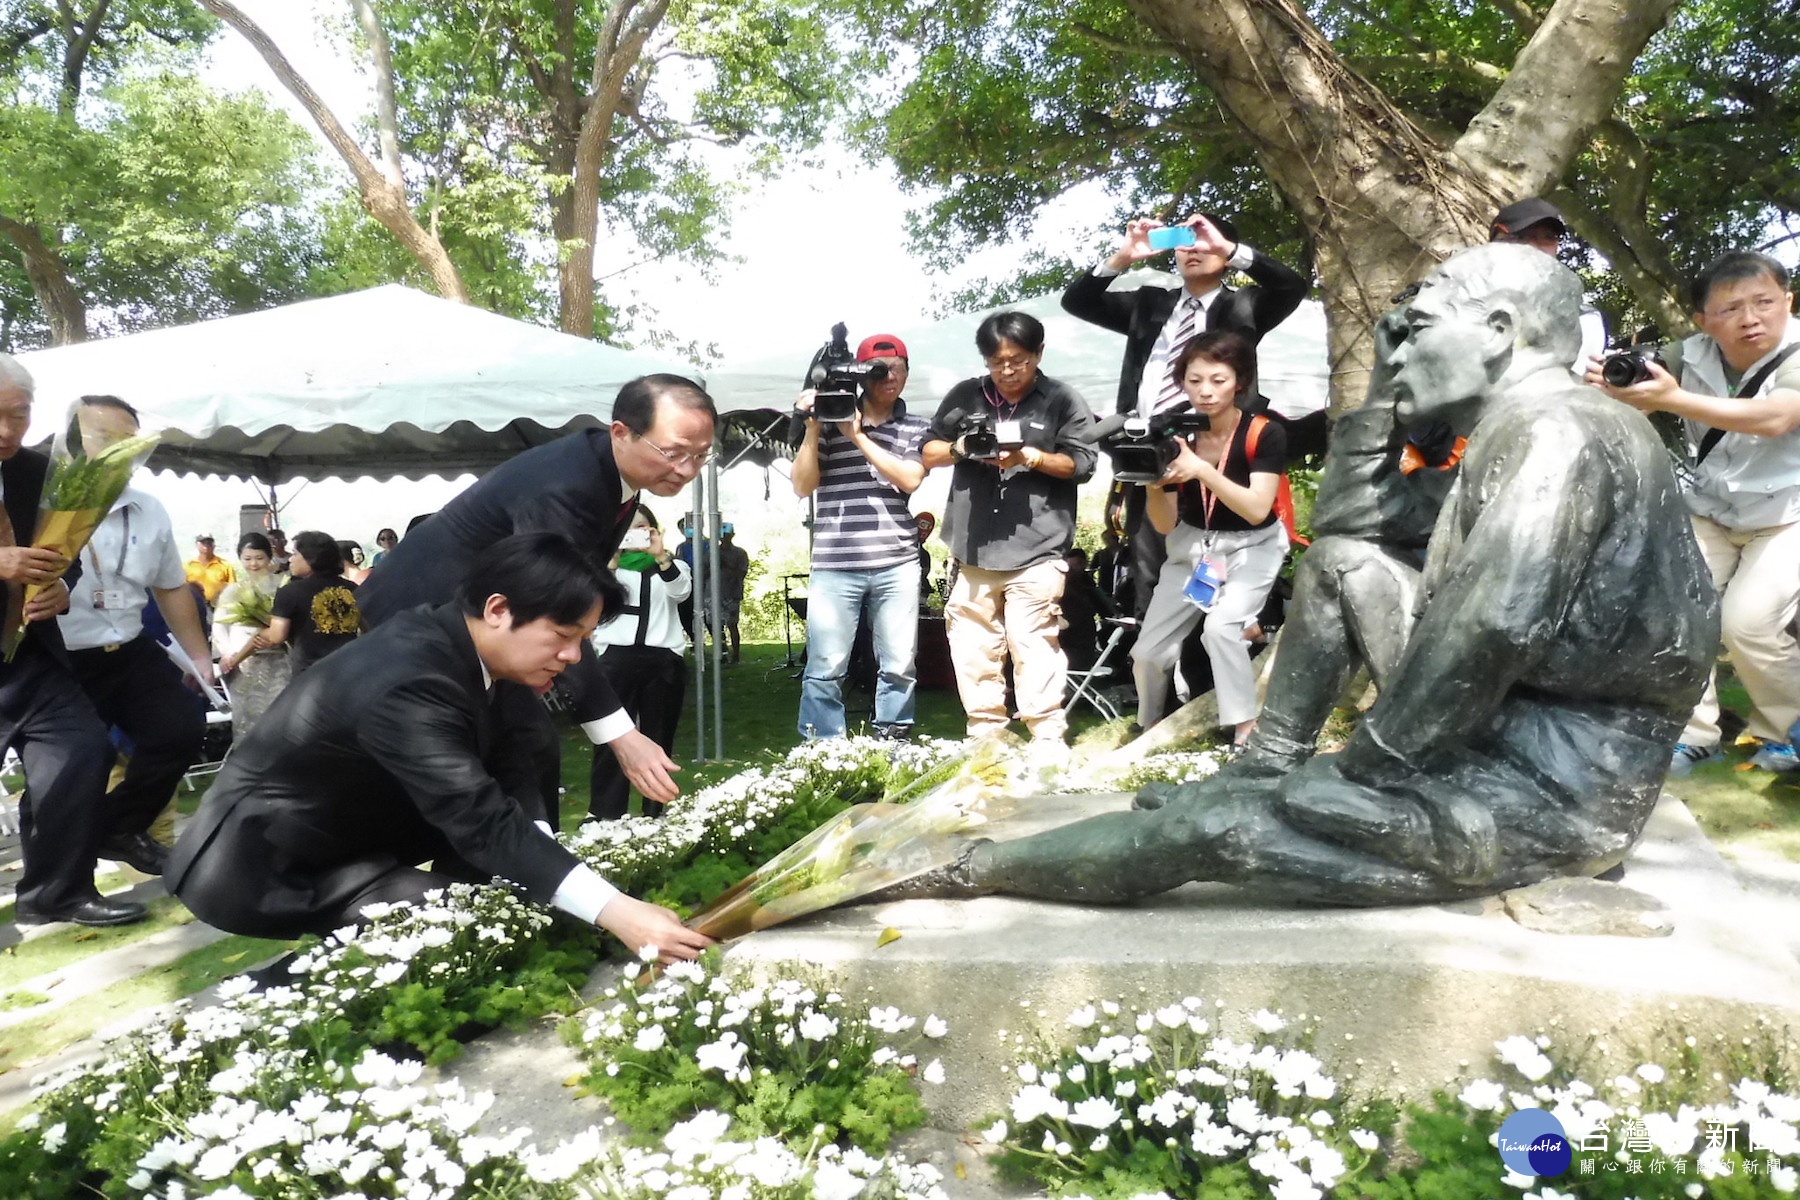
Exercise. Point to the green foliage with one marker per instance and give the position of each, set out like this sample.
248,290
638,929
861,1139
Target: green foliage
786,1060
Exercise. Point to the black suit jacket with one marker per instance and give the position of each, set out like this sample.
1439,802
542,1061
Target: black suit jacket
387,753
23,476
1140,314
570,486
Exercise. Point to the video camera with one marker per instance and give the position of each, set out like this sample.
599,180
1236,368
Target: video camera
1624,367
1142,448
837,378
977,435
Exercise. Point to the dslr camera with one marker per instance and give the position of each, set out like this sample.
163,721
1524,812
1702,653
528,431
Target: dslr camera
978,437
1141,448
837,378
1629,365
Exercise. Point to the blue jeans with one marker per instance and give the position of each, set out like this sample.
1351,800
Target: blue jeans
834,600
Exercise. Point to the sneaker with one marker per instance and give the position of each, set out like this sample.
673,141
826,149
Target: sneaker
1778,757
1687,757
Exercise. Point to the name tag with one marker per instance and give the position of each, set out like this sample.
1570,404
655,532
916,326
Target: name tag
1010,433
116,599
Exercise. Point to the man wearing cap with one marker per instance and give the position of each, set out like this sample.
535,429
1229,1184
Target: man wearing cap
859,474
1159,322
734,570
208,570
1537,223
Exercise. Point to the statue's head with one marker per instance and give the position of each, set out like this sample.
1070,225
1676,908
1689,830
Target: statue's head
1487,316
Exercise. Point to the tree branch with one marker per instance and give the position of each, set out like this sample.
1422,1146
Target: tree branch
387,113
75,51
1522,14
386,201
1108,42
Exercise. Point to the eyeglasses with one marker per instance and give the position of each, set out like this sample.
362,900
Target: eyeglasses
1006,366
1762,306
676,458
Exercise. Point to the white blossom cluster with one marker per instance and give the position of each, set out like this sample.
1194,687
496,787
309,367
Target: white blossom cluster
699,1160
1186,766
631,848
1623,1114
1167,1077
741,1030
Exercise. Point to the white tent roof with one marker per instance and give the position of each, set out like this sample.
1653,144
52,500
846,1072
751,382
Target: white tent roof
384,382
1293,367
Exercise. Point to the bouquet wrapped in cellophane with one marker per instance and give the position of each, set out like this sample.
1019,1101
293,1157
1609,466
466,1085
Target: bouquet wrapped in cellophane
79,491
245,604
871,846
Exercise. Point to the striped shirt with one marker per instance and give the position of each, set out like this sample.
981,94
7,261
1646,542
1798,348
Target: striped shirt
860,519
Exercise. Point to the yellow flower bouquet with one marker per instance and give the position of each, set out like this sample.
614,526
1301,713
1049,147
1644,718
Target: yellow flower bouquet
871,846
78,493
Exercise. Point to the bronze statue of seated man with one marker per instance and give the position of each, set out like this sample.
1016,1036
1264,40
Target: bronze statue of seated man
1533,674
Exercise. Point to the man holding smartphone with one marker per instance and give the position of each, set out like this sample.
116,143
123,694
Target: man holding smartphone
860,474
1159,322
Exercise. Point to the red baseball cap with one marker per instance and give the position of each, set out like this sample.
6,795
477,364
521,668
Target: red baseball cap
882,345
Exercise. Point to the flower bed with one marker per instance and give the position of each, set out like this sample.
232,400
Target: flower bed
785,1090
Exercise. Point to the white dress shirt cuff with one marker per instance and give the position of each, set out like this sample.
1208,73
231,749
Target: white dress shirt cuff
1242,256
1104,271
610,728
583,894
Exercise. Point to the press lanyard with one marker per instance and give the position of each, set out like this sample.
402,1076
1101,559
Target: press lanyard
124,545
990,391
1209,499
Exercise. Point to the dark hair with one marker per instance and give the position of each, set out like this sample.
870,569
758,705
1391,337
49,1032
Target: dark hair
635,406
352,551
1734,266
1226,346
1077,552
275,532
1020,328
320,550
256,541
649,517
541,575
109,402
387,533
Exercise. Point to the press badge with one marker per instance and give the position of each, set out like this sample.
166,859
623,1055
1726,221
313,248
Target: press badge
1010,433
117,599
1202,588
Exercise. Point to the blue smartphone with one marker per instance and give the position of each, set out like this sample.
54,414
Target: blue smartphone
1170,236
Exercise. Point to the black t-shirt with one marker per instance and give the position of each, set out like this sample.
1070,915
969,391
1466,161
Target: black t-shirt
1271,459
322,616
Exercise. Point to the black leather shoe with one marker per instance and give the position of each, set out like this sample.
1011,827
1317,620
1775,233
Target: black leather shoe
98,911
139,851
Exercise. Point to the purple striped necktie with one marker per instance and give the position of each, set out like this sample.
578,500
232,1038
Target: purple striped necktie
1171,391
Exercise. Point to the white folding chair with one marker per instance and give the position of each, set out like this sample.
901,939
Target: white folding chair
1085,685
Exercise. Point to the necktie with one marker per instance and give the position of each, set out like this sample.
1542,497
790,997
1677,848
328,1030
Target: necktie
1171,391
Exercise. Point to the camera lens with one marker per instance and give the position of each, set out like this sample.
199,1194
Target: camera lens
1623,370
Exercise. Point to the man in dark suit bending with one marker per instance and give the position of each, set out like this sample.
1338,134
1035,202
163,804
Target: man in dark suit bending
401,749
585,487
1158,322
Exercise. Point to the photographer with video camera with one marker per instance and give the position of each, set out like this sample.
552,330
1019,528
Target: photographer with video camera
1215,506
1736,386
859,460
1019,442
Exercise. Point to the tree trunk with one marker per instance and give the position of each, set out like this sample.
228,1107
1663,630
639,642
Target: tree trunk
620,45
1382,200
62,303
384,198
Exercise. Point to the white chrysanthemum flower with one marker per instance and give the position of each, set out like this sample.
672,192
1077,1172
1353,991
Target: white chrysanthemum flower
933,1072
1036,1101
1267,1021
650,1039
1484,1095
935,1026
1096,1112
995,1134
1082,1018
1365,1139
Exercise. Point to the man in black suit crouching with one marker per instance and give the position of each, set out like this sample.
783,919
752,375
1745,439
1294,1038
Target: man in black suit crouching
1158,323
401,749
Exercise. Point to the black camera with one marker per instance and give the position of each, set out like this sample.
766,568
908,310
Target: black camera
977,437
1622,368
1141,448
837,378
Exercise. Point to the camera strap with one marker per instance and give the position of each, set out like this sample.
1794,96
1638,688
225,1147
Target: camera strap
1750,387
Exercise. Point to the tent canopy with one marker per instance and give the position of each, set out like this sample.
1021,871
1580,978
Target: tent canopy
383,382
1292,364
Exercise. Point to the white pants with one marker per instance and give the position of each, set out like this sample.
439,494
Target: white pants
1757,573
1253,560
